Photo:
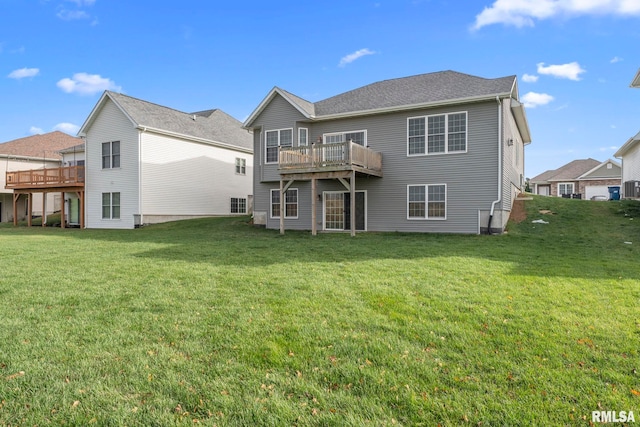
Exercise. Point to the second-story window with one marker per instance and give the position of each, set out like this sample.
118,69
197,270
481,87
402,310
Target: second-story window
111,155
303,137
438,134
241,166
275,139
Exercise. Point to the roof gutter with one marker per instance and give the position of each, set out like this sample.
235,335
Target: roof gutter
499,199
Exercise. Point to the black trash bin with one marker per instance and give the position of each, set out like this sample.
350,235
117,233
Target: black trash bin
614,192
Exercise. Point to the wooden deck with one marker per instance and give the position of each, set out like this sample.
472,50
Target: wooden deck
68,179
69,176
317,158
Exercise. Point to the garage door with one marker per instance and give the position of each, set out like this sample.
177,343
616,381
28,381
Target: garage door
596,190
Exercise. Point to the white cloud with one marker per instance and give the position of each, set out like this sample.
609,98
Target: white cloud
355,55
69,128
523,13
23,72
72,15
569,71
33,130
533,99
529,78
87,84
81,3
616,59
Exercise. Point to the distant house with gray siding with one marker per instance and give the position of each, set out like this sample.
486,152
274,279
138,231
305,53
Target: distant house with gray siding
440,152
146,163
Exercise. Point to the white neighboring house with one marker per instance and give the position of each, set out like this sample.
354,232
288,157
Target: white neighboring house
629,154
27,159
146,163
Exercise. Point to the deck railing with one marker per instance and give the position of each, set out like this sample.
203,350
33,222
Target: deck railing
48,177
343,155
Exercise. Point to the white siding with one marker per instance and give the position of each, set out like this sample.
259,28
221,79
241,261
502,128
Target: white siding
111,125
184,179
631,165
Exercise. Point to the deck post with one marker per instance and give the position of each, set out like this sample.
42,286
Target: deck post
81,197
352,190
44,209
15,209
282,207
62,212
313,207
30,209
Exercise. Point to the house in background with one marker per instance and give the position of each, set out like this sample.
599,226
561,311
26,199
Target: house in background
146,163
589,178
629,155
438,152
29,172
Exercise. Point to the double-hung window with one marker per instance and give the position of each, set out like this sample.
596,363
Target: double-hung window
238,205
241,166
303,137
275,139
110,205
437,134
111,155
290,203
565,188
427,201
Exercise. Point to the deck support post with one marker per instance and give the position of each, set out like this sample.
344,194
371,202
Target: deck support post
44,209
282,206
15,209
81,197
352,190
30,209
313,207
62,211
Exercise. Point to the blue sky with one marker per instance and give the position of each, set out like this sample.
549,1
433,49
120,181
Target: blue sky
574,59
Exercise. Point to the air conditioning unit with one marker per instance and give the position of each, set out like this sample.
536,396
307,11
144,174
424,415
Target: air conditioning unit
632,189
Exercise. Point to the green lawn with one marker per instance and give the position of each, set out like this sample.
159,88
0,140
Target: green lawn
213,321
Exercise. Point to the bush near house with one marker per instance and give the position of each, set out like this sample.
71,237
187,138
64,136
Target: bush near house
213,321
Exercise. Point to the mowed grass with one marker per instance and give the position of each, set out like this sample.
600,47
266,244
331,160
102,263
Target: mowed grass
212,321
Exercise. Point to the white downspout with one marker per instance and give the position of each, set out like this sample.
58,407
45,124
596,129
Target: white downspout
499,199
140,163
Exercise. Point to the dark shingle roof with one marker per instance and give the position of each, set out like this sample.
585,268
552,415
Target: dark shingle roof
45,145
414,90
213,125
571,171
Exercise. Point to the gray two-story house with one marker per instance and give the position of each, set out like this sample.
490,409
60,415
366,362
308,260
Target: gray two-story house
438,152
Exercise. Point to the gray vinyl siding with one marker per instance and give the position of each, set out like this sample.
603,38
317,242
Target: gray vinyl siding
279,114
470,178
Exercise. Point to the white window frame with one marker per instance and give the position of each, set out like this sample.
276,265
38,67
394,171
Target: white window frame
572,184
271,204
446,134
241,205
277,147
111,156
306,137
241,166
344,134
426,203
111,206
